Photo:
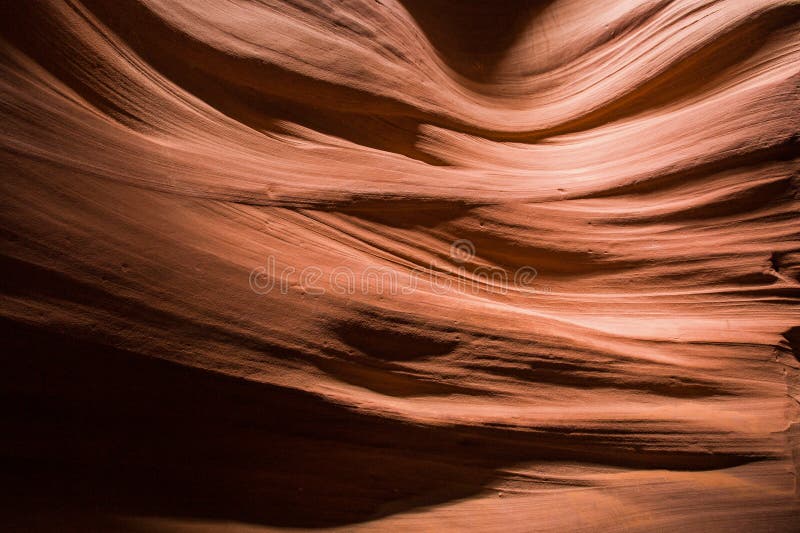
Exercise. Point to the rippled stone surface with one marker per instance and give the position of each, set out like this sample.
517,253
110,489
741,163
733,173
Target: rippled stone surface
400,265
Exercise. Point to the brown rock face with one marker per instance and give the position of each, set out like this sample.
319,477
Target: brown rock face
400,265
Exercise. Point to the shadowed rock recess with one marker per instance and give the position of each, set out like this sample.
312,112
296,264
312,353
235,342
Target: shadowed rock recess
400,265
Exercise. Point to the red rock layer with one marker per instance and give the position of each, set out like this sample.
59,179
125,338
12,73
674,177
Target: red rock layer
158,156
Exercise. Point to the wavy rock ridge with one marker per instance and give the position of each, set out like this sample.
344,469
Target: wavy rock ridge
400,265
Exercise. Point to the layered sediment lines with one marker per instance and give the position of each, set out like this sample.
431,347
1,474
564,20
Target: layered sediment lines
400,264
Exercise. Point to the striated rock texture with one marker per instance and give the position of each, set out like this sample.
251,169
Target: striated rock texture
416,265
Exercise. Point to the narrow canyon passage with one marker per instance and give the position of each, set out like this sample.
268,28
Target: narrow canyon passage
400,265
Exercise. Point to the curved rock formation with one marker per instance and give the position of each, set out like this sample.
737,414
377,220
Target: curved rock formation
400,265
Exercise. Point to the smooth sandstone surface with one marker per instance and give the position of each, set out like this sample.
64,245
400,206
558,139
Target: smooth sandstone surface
245,248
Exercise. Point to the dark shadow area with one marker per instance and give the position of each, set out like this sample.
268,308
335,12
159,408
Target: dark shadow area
398,344
507,251
407,213
100,429
587,377
792,335
90,428
472,36
786,264
376,352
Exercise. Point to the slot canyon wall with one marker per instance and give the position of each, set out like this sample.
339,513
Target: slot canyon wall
400,265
